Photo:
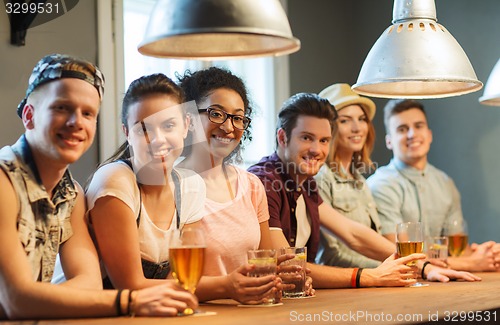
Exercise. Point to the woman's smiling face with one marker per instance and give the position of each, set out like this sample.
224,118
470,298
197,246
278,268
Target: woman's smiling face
222,138
352,129
157,128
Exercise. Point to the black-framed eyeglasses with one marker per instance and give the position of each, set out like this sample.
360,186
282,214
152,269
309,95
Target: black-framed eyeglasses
219,116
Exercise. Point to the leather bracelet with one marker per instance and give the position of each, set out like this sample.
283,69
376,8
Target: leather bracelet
358,277
423,269
118,303
353,277
130,305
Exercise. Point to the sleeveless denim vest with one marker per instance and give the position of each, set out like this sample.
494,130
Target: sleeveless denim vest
42,224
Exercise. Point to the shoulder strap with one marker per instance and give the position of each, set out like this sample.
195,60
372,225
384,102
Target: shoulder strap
177,197
129,163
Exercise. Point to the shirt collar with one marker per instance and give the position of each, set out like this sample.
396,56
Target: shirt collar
408,171
22,149
64,190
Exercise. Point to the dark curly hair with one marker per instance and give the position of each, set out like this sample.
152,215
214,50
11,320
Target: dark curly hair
198,85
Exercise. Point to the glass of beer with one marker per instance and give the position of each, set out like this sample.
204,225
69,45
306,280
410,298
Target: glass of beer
265,261
187,255
410,240
456,231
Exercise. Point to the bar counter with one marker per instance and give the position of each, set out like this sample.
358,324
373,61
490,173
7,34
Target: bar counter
453,302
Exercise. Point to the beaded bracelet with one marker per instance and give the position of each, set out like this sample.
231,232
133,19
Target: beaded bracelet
423,269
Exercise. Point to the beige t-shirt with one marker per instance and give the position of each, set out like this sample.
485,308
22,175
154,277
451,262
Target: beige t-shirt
118,180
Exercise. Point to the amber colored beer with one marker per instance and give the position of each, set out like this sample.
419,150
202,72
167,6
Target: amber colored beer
457,244
187,265
411,247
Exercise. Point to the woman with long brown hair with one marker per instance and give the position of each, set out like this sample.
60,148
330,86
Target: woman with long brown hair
341,180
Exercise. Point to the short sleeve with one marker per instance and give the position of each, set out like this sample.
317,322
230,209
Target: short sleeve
114,179
274,202
193,195
259,197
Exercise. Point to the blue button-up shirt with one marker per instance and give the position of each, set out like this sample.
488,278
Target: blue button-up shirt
403,193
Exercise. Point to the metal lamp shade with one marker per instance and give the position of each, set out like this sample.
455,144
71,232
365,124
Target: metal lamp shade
491,95
218,29
416,58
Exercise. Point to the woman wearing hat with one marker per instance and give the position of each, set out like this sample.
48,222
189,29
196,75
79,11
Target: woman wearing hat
340,180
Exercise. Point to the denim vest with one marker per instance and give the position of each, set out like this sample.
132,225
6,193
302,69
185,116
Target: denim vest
42,224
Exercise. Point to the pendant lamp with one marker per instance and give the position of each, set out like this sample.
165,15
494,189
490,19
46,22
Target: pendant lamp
416,57
218,29
491,95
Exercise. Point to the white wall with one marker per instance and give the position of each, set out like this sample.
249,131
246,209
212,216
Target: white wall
73,33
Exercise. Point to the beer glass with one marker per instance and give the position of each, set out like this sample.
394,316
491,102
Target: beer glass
410,240
456,231
187,255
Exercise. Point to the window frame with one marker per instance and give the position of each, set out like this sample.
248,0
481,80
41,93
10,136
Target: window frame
111,60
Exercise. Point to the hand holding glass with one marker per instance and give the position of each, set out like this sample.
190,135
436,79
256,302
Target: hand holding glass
187,255
410,240
290,274
265,261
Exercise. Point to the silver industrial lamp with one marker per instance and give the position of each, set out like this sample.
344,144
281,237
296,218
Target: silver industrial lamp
491,95
416,58
218,29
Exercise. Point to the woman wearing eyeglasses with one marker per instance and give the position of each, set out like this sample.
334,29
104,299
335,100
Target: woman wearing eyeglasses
236,215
